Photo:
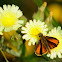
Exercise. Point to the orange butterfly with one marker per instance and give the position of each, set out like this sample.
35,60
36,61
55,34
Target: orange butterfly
45,44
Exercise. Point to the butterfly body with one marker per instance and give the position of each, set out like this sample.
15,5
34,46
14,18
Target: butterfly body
45,44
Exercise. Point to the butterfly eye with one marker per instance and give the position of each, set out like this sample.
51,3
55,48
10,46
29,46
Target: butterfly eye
40,34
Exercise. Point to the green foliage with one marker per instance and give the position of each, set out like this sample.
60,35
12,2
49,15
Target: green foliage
46,12
38,2
39,15
1,41
55,24
24,19
16,41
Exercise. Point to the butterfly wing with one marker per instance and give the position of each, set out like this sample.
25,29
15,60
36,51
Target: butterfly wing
52,42
40,49
43,48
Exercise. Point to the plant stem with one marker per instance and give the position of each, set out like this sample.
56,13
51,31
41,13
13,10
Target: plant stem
4,55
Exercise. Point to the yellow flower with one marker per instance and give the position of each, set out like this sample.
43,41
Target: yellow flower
32,29
9,18
57,51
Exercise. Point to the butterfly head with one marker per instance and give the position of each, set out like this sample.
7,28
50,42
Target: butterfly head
40,34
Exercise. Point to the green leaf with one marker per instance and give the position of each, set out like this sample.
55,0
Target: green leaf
56,24
2,40
38,2
17,54
39,15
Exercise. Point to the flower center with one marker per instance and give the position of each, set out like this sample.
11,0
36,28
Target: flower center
34,31
8,18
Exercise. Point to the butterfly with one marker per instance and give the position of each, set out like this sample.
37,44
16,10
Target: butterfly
45,44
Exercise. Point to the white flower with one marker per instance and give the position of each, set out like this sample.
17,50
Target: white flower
9,18
32,29
57,51
1,28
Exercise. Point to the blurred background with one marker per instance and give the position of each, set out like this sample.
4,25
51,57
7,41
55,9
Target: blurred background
56,7
28,8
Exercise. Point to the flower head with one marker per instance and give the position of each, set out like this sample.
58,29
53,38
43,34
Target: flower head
9,18
32,29
57,51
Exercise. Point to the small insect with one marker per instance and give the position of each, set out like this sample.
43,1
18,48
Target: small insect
45,44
